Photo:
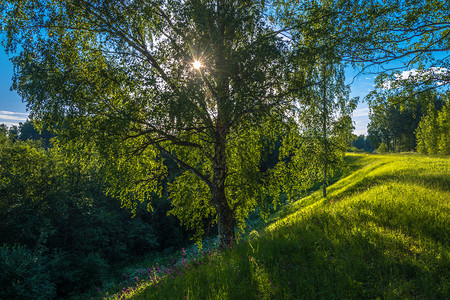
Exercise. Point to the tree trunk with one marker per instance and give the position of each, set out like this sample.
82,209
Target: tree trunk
324,183
226,224
225,214
324,130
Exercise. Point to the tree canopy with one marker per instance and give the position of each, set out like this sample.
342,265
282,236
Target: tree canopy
122,74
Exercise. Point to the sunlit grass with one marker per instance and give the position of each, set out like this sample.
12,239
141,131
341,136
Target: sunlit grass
383,232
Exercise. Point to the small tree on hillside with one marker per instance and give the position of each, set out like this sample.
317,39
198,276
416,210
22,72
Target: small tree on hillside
444,125
325,120
427,132
434,130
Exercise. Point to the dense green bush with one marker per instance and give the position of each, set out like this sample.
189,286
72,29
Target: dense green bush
60,230
24,274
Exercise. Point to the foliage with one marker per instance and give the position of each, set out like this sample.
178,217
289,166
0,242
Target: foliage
57,220
444,128
433,131
24,274
383,148
395,125
362,143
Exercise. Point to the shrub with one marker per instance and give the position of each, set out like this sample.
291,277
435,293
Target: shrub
23,274
383,148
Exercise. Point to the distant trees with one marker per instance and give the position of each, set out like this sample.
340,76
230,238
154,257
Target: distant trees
28,131
421,124
362,142
394,126
433,132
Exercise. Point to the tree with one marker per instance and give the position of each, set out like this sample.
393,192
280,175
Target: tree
444,125
396,125
362,142
29,132
325,109
427,132
326,120
124,75
433,130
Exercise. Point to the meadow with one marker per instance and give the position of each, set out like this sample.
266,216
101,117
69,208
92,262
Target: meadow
383,232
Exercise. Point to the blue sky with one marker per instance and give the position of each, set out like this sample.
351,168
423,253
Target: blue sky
13,111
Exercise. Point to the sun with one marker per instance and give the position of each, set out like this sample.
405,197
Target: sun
197,65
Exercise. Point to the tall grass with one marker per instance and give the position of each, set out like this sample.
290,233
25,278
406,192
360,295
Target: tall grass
383,232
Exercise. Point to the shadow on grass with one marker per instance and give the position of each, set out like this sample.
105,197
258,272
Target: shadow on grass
321,256
387,241
327,257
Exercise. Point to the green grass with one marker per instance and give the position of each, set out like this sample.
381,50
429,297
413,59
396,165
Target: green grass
383,232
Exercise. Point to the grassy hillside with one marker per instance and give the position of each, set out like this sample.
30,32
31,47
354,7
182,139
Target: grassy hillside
383,232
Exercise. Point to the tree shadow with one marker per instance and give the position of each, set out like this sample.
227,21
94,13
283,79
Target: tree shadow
329,257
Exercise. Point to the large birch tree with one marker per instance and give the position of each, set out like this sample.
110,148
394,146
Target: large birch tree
199,82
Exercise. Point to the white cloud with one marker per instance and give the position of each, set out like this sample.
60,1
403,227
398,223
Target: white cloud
4,112
10,118
439,75
361,112
415,74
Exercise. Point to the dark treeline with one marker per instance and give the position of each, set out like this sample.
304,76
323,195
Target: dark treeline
59,232
362,143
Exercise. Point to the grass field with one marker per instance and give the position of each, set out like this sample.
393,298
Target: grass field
383,232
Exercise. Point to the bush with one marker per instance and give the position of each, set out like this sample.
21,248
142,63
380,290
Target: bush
355,150
383,148
23,274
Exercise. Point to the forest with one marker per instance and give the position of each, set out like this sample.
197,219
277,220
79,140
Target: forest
195,138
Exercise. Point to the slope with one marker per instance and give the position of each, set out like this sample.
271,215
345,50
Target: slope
383,232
